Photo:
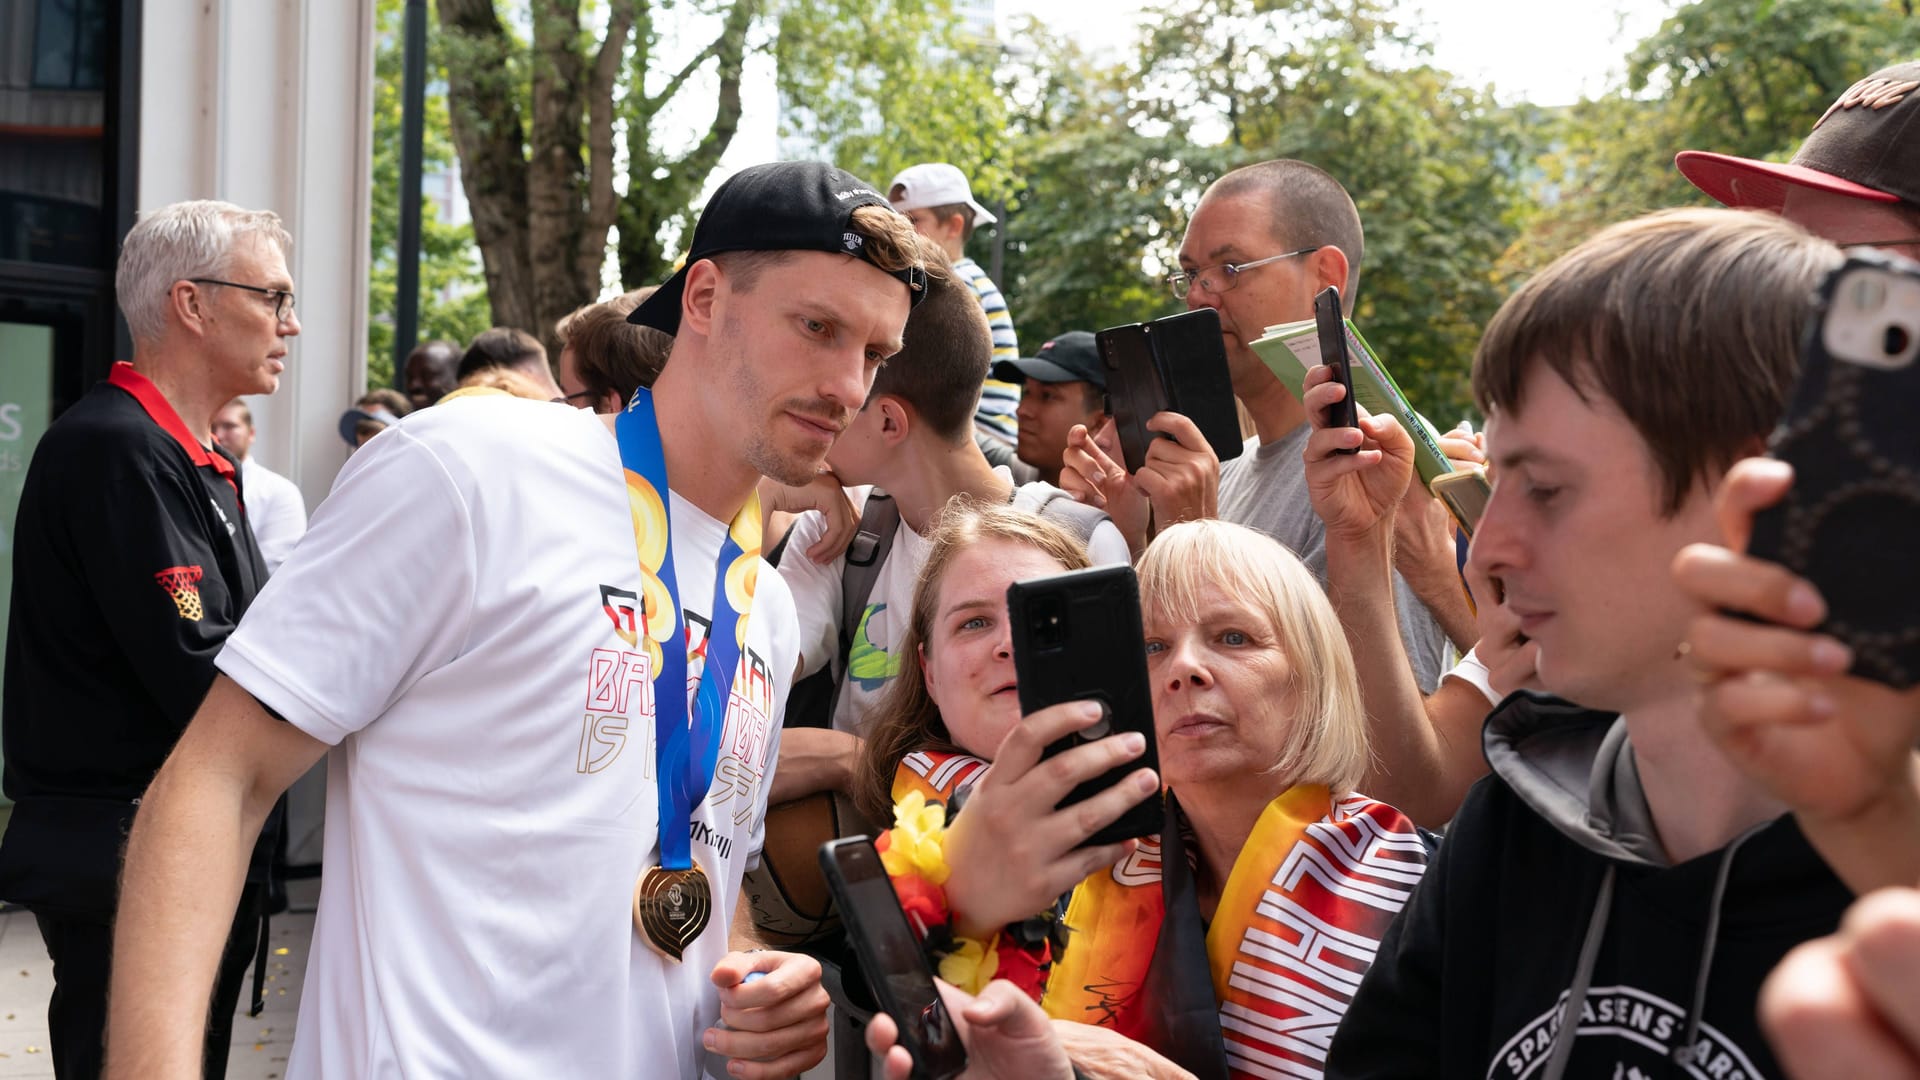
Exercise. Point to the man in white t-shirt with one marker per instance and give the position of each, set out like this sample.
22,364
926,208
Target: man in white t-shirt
274,506
913,440
498,804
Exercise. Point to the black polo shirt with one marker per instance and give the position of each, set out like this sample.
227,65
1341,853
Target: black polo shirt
132,562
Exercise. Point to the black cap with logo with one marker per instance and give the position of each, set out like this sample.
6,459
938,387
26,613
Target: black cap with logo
783,206
1071,357
1866,146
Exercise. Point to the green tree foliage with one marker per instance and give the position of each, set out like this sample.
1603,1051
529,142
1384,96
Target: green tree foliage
1100,203
875,103
1117,159
1746,77
452,303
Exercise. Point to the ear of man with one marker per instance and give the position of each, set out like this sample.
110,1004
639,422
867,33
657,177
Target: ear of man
897,422
1329,266
189,304
706,283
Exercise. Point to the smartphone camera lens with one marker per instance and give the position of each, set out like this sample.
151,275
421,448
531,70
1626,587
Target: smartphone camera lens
1048,621
1897,340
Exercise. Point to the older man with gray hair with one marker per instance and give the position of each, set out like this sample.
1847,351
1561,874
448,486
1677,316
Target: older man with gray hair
132,562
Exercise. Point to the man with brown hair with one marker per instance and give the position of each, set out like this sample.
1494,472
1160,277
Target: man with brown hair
1619,384
604,358
513,349
909,452
551,733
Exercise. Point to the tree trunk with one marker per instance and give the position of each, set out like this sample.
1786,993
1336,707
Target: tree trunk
556,172
483,106
603,206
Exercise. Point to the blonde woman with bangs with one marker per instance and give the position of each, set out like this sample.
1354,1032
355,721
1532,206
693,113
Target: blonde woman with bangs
1293,875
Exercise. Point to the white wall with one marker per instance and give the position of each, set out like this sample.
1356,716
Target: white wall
268,104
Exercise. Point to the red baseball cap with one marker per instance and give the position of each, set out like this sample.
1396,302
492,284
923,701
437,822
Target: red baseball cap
1867,146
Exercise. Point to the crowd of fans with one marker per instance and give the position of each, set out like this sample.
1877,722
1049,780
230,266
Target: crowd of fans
1598,800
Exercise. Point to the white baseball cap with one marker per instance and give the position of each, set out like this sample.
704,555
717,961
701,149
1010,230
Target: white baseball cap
935,184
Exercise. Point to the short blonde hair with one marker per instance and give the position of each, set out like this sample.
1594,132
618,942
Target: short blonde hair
179,242
1194,560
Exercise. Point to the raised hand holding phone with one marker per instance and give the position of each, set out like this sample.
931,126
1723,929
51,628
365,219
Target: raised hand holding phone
1357,473
890,955
1836,748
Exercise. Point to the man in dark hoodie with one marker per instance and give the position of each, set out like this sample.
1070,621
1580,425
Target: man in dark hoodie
1609,900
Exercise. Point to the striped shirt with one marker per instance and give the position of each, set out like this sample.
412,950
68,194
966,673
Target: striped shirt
998,400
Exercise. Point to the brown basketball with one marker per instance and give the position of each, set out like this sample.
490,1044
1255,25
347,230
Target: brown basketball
791,904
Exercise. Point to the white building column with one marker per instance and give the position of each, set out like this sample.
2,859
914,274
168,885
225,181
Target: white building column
269,104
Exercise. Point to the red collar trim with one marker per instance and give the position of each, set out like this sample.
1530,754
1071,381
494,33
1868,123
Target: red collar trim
160,411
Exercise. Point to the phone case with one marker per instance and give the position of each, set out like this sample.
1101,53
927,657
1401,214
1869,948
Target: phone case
1176,364
1851,522
891,958
1077,636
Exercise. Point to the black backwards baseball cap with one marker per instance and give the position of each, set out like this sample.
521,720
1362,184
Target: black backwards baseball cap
1867,146
782,206
1071,357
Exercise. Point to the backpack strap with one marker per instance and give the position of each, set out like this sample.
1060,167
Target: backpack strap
879,522
1061,508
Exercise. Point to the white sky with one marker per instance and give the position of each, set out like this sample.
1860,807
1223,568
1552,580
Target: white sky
1542,51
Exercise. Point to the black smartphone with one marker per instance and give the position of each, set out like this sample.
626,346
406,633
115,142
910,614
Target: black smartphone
1176,364
1077,637
1851,522
895,965
1332,326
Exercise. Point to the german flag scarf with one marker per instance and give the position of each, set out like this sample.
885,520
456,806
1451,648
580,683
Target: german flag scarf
1298,923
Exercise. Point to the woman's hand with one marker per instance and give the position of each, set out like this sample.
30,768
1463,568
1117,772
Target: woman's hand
1013,850
1006,1035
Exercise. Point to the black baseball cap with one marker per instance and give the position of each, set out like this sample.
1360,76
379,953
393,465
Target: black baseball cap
1867,146
782,206
1071,357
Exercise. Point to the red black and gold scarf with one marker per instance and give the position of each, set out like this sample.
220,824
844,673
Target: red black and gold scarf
1298,923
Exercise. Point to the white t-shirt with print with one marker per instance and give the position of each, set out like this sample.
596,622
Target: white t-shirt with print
874,659
457,624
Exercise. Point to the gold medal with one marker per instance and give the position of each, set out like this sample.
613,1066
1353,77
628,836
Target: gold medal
671,907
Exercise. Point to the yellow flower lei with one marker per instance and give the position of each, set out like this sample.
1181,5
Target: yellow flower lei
917,843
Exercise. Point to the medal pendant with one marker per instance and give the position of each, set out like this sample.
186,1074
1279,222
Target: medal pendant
671,907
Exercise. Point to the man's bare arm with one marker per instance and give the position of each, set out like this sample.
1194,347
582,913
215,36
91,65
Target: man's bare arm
1426,750
186,862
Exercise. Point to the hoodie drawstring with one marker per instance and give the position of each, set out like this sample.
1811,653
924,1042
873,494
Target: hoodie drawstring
1563,1036
1690,1038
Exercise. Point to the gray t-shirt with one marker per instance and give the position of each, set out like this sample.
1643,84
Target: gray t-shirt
1265,488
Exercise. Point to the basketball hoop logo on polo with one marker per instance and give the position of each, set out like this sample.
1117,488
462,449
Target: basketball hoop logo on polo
1875,94
1638,1030
182,584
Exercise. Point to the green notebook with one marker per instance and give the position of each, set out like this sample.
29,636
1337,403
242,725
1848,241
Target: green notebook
1290,350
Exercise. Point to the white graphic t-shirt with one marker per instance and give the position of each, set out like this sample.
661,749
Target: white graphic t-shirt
874,658
459,624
